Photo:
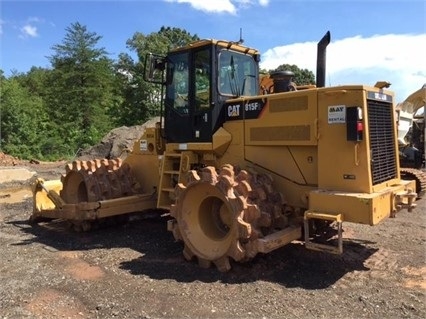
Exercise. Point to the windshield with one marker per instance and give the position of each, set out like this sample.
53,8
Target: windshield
237,74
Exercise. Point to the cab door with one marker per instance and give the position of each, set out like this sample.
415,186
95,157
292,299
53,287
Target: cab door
202,110
177,106
188,97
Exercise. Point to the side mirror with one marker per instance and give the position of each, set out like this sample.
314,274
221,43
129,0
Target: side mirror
154,68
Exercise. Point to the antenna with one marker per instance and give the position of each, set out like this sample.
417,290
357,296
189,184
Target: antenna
241,40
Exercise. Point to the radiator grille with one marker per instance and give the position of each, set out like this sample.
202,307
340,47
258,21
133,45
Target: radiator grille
382,141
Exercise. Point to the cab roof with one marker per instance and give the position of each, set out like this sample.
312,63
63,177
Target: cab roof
235,46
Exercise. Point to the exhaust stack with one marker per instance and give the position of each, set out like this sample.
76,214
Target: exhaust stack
321,59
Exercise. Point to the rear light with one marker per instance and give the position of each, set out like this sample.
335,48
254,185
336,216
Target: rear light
354,124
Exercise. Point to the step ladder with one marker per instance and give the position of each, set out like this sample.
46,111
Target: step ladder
312,214
171,168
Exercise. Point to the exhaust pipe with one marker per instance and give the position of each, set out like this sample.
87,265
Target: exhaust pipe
321,59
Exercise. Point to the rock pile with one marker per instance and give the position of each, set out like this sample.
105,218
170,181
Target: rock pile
116,142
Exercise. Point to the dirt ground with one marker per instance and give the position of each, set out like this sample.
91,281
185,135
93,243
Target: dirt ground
136,270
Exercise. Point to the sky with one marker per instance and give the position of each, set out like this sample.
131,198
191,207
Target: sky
371,40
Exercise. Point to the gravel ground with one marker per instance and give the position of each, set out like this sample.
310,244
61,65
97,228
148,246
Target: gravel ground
136,270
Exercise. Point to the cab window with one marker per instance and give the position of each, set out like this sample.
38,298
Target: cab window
202,79
179,91
237,74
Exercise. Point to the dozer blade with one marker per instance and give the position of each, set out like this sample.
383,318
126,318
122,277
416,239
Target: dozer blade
46,195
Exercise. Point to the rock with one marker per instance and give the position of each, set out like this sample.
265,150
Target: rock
116,142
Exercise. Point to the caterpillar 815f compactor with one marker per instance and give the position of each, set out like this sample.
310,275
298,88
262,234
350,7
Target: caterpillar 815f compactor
245,165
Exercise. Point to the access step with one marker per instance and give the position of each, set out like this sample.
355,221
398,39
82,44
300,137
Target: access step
278,239
312,214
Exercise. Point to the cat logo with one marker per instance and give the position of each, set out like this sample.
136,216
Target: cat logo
234,110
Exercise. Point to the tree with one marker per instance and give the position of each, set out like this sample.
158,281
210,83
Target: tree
159,42
301,76
22,120
27,130
35,80
81,88
140,100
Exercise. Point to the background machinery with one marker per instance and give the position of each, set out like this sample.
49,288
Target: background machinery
242,169
411,137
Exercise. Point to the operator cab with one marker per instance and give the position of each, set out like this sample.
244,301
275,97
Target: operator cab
199,78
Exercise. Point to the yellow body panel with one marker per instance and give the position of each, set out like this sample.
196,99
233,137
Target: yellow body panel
359,208
343,165
295,163
287,119
309,157
145,169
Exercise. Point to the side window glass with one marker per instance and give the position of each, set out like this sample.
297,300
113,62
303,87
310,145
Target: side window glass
180,84
202,79
228,82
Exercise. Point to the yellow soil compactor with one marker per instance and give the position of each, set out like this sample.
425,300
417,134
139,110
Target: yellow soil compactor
244,165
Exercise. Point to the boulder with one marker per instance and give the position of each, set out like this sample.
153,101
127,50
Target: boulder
116,142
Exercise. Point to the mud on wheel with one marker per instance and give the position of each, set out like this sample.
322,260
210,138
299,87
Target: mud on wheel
96,180
101,179
219,216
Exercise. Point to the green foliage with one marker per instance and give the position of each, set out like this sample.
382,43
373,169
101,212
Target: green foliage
50,114
301,76
81,89
134,105
159,42
34,81
22,119
141,100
